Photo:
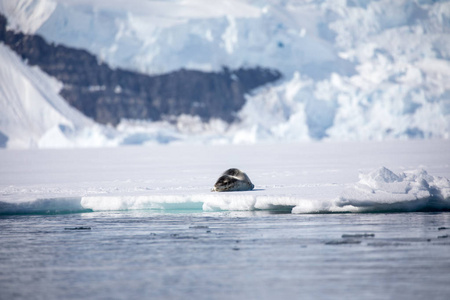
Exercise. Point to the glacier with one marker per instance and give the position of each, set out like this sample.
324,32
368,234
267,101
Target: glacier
353,70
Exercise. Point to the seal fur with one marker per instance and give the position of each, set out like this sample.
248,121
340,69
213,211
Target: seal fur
233,180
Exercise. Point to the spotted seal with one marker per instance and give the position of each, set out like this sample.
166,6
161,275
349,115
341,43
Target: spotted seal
233,180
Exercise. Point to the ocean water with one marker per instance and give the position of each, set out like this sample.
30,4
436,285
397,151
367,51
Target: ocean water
144,254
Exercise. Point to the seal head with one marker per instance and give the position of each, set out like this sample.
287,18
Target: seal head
233,180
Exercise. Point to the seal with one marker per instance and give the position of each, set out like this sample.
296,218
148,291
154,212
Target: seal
233,180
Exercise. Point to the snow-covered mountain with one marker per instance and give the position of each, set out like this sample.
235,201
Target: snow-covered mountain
354,70
34,115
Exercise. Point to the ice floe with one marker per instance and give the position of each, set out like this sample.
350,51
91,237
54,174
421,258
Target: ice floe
384,190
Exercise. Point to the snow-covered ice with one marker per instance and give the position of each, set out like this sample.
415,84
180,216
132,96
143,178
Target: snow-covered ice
297,178
382,189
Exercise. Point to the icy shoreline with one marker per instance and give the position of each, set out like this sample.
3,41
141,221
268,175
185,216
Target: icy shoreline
297,178
380,190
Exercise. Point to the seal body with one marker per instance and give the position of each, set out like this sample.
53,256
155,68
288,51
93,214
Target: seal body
233,180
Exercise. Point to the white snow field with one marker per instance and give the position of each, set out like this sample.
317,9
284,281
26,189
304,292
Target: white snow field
397,176
353,70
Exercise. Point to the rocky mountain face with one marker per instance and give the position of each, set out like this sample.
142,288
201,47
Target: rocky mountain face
108,95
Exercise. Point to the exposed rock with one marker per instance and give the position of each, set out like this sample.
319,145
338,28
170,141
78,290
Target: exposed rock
109,95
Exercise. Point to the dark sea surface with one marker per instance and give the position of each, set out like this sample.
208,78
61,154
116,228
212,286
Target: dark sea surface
225,255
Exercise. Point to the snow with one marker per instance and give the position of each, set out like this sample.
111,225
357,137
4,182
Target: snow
353,70
34,115
297,178
30,104
27,15
389,191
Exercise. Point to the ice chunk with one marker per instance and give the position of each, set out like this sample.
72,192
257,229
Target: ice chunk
382,189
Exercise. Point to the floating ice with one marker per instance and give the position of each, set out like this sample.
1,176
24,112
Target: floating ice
380,190
43,206
384,190
151,202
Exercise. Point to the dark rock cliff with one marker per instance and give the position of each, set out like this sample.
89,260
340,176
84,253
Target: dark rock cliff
108,95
